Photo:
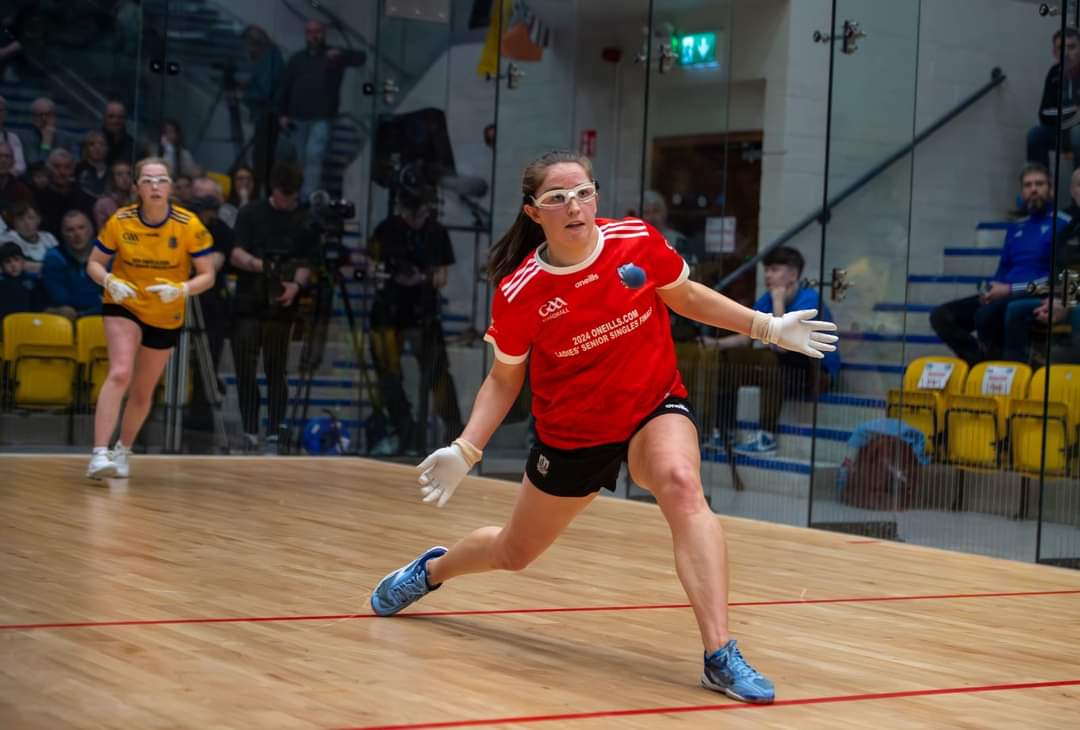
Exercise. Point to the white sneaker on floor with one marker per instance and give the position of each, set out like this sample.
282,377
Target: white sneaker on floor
120,454
101,465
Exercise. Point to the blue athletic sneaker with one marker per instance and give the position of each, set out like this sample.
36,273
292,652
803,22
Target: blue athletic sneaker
405,585
726,671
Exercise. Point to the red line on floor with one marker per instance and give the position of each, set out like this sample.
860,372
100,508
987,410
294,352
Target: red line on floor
512,611
521,720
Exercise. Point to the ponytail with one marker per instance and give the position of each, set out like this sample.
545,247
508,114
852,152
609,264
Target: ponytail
514,247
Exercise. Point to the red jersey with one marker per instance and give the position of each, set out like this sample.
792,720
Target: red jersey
597,334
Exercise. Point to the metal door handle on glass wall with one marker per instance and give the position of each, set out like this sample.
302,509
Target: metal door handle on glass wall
513,76
1069,286
1045,10
839,284
849,37
390,91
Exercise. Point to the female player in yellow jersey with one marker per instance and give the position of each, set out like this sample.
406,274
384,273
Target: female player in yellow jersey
153,245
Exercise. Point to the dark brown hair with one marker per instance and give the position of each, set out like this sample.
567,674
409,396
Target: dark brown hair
526,234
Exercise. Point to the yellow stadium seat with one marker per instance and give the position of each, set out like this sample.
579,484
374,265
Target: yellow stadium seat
976,421
40,358
921,401
93,355
223,180
1062,414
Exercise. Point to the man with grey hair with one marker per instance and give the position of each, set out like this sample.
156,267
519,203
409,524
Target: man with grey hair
71,291
62,194
6,135
44,136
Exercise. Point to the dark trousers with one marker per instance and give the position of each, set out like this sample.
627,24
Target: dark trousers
264,148
252,335
779,375
997,324
429,345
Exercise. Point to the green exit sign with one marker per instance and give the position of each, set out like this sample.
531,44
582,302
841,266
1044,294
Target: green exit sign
695,49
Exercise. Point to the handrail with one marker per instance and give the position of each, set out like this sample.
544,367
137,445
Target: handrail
997,76
66,80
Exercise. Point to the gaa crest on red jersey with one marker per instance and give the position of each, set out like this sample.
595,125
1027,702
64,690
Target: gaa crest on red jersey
552,308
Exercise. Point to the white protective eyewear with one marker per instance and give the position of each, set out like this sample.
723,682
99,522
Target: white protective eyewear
162,180
585,192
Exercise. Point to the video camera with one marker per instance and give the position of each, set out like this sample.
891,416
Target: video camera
328,216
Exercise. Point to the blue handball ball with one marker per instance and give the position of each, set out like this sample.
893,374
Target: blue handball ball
632,276
325,436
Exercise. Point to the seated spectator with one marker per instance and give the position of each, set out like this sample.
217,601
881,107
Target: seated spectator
92,172
71,292
1044,137
1005,306
12,189
122,146
654,210
26,234
19,292
171,149
780,374
62,194
6,135
241,192
44,136
182,190
104,207
120,186
37,177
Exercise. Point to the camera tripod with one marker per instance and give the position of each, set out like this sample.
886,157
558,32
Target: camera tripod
331,279
176,384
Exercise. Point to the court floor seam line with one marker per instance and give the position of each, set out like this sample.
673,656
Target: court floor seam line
526,719
516,611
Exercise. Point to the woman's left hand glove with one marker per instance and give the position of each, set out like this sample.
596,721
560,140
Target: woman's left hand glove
169,291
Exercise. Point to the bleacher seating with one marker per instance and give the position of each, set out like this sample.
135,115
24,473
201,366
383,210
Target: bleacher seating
976,420
39,361
1061,410
93,357
921,400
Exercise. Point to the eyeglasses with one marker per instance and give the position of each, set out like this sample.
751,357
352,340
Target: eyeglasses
585,192
163,180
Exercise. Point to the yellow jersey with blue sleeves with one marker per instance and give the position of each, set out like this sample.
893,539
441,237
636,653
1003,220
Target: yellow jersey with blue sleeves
144,255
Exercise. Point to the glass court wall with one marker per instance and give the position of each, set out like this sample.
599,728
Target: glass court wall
876,145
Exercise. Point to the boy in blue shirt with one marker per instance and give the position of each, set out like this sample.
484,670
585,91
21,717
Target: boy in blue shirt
779,374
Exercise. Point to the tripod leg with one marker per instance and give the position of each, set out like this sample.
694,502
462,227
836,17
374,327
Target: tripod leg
208,374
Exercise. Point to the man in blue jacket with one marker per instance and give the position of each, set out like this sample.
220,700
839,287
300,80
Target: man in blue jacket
71,292
1005,304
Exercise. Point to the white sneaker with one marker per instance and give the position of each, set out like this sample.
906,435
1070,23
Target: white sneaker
101,465
760,442
120,454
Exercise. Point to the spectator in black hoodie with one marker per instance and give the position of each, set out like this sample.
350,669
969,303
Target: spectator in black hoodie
1044,137
19,292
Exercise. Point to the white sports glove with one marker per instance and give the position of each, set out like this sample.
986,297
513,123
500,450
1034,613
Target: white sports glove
118,289
795,331
168,291
443,470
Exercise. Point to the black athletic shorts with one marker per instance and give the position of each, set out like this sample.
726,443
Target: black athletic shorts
580,472
156,338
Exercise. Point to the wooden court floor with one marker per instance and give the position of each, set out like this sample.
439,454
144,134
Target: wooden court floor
233,592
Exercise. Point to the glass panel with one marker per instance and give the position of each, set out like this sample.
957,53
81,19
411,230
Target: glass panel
1055,341
864,469
427,226
72,61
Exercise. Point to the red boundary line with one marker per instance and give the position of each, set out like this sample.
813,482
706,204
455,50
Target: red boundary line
717,708
512,611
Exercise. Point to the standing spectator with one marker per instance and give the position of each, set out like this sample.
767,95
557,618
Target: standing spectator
267,67
9,46
171,148
307,101
122,146
70,289
12,189
1044,137
6,135
26,234
92,172
241,192
273,244
44,136
1006,305
19,292
62,194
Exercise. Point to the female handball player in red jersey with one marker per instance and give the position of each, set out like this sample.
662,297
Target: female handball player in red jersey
583,302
